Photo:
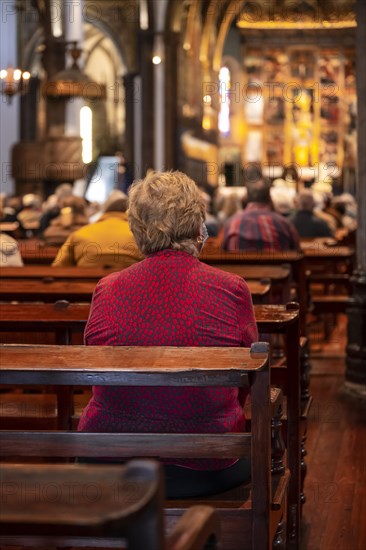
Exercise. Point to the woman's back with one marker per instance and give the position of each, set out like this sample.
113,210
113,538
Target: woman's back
173,299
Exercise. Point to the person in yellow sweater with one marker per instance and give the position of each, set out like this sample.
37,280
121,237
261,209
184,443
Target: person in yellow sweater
105,243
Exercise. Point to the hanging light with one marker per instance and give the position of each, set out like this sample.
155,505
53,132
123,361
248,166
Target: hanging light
72,82
13,81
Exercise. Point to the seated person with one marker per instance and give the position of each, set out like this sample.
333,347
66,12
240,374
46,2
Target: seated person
259,227
9,252
211,221
51,206
72,217
172,299
107,242
227,206
307,224
330,208
30,215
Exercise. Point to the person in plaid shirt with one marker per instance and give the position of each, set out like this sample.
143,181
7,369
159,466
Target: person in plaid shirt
259,227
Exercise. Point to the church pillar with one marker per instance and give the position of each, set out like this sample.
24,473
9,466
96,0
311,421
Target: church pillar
146,93
159,61
355,383
171,94
131,98
9,112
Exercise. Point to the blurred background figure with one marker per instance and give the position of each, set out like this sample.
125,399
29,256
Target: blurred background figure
289,179
51,206
9,252
9,208
227,206
350,215
72,216
307,224
211,221
319,199
106,242
124,177
99,209
334,210
282,200
30,215
259,227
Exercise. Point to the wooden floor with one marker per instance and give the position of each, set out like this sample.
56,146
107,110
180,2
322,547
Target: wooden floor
334,516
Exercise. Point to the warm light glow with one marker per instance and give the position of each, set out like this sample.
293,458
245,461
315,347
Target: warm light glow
13,81
302,25
56,18
86,133
144,15
156,59
224,114
206,123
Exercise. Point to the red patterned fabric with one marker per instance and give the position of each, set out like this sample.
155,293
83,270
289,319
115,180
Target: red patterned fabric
169,299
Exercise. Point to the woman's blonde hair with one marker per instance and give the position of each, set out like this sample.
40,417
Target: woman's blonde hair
165,211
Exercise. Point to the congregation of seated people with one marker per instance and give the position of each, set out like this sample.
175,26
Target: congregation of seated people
263,217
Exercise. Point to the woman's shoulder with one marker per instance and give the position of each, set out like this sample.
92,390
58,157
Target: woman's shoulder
227,279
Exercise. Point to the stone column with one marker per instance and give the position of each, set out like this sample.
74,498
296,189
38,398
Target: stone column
74,31
9,112
146,94
356,347
171,95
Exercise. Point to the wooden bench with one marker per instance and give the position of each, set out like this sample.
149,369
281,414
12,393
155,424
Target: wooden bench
278,276
330,304
73,505
328,269
248,521
36,251
81,291
276,273
65,319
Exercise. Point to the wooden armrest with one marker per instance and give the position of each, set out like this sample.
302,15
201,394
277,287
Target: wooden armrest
194,529
330,278
303,341
279,490
305,408
276,400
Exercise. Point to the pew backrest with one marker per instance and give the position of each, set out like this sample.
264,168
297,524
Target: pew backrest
153,366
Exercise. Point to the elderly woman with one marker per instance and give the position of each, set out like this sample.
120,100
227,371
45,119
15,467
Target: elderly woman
171,299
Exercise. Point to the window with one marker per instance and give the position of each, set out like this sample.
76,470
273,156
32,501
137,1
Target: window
86,133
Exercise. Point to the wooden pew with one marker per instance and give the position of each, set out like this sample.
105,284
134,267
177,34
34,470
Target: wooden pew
36,251
248,522
322,260
276,273
119,503
329,268
65,318
81,291
279,276
319,252
315,253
